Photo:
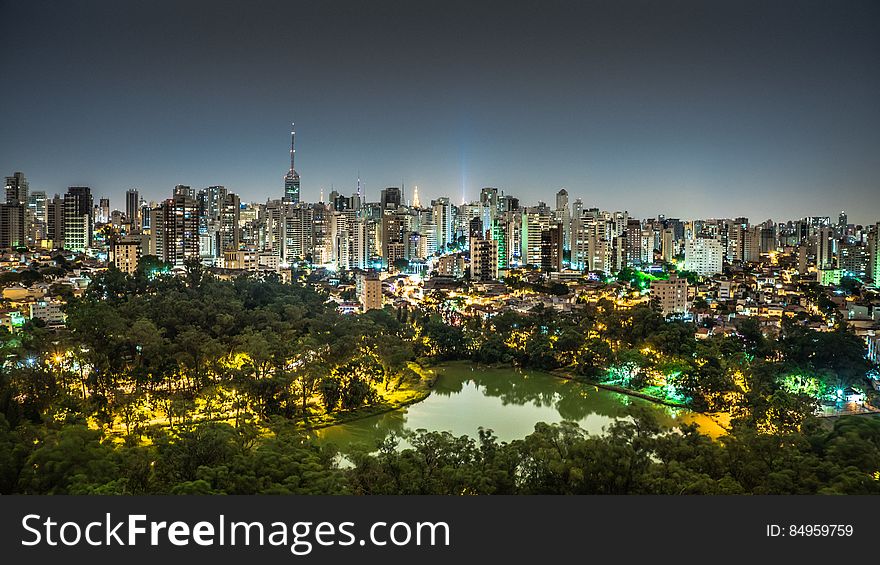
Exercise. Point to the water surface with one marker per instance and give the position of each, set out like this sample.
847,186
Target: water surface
509,401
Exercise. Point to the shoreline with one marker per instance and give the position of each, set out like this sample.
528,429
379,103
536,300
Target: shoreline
422,390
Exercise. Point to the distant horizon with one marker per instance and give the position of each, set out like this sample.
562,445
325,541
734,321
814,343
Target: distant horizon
766,110
426,199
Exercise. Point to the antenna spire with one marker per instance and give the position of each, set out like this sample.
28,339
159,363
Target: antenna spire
292,144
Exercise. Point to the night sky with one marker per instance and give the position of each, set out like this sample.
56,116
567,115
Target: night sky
692,109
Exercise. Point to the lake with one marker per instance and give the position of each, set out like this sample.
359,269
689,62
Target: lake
509,401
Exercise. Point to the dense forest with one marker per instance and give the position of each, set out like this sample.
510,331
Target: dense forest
633,457
164,384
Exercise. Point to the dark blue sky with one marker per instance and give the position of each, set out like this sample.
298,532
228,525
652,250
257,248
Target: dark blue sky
693,109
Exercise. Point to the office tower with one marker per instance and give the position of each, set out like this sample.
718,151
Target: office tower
145,215
704,256
842,222
14,212
37,203
291,179
184,190
484,257
551,249
475,227
38,215
563,216
78,220
671,295
133,209
340,202
17,189
12,226
390,198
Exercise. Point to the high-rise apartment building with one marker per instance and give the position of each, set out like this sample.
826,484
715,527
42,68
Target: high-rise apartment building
126,253
484,257
370,291
704,256
671,295
175,230
444,221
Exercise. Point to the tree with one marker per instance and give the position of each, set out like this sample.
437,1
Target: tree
401,265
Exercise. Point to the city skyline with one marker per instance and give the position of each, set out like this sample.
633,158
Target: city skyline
119,201
774,118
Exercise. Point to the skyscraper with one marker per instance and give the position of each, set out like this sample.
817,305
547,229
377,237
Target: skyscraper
37,206
291,179
133,208
229,220
551,249
484,256
443,220
825,248
17,189
103,210
174,230
78,220
13,212
390,198
563,216
704,256
874,255
55,221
